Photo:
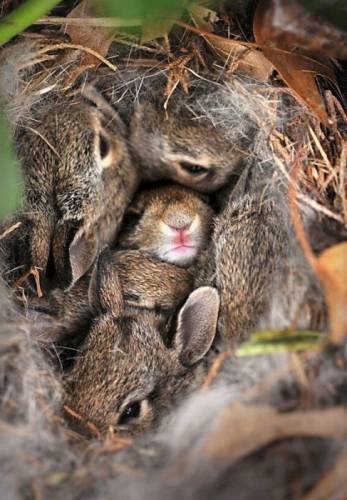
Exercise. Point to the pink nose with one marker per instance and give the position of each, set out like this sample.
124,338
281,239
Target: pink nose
181,234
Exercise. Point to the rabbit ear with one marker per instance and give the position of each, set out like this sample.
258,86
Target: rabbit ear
82,253
90,93
145,117
105,291
197,323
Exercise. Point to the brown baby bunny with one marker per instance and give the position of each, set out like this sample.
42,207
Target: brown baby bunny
147,284
79,179
167,228
257,265
247,250
193,153
125,377
198,139
172,223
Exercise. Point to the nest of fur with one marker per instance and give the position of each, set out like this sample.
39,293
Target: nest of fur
269,426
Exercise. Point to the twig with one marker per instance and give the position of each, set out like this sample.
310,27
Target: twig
89,425
325,158
10,230
102,22
215,369
33,271
296,217
114,443
34,131
208,34
320,208
342,187
63,46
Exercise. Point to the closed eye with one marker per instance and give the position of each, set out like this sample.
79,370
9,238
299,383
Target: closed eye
193,168
104,146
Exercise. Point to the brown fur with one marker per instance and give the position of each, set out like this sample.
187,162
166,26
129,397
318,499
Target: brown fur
160,208
168,147
147,284
151,284
125,376
76,186
246,251
257,266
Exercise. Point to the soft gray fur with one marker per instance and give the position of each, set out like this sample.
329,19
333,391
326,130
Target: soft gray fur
38,459
222,124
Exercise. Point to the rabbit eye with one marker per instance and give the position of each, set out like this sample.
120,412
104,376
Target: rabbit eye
104,146
130,412
193,169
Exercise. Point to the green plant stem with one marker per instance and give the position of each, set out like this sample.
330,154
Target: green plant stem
268,342
22,17
10,185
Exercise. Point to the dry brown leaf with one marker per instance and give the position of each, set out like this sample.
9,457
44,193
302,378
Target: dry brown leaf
253,63
299,71
242,58
289,24
96,38
331,267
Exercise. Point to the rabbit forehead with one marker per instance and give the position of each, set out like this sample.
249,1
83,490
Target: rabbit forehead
130,345
196,140
161,202
124,360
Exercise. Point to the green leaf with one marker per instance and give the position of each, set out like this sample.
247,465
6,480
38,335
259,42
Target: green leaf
157,15
22,17
144,9
268,342
10,186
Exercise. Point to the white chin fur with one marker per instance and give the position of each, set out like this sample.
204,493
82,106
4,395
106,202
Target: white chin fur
179,256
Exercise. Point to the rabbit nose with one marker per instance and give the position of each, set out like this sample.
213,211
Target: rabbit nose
180,228
180,222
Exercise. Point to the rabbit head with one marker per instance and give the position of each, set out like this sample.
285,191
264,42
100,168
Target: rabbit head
149,283
78,178
189,151
171,222
125,376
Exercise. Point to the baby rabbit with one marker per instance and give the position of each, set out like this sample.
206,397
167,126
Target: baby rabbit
147,284
78,178
257,265
199,139
247,249
126,377
172,224
167,228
